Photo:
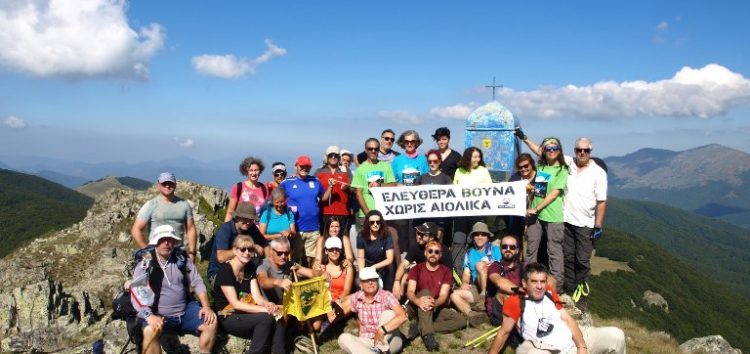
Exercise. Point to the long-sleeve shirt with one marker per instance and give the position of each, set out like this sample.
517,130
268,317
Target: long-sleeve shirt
172,301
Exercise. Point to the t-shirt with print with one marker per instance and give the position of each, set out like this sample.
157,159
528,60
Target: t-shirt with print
276,223
367,170
431,280
225,277
254,196
276,294
555,332
427,179
374,249
406,169
549,178
157,212
489,253
302,197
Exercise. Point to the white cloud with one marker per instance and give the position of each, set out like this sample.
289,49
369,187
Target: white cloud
662,26
184,143
14,122
400,116
231,67
75,39
705,92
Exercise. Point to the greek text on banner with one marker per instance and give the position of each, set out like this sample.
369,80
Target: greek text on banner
430,201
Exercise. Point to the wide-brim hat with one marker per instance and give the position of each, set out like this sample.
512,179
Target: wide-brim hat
481,227
163,231
245,210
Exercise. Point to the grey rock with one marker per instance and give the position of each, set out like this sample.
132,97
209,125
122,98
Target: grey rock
655,299
708,345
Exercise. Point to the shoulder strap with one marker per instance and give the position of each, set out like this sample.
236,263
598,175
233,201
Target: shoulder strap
239,192
154,280
264,190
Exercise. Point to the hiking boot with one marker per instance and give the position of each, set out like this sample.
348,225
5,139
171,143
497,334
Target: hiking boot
303,344
431,343
413,332
476,318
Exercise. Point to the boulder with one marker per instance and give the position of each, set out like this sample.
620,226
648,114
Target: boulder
655,299
708,345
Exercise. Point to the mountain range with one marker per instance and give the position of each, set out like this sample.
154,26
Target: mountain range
100,186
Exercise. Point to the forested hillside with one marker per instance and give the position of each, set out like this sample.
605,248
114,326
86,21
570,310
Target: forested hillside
31,206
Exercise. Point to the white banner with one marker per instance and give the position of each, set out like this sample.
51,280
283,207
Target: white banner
428,201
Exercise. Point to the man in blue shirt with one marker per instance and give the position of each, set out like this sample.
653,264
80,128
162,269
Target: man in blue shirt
304,192
243,222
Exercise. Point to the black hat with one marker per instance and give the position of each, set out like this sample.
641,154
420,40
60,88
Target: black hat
442,131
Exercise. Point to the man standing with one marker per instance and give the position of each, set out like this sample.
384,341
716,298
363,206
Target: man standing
242,223
545,325
371,173
385,153
166,209
585,205
278,169
428,290
160,292
303,193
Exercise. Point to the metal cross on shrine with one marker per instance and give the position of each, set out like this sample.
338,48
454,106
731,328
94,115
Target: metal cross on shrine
493,87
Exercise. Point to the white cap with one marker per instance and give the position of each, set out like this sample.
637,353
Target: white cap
332,149
333,242
368,273
161,232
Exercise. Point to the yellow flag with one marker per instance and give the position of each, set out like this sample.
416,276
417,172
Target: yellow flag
307,299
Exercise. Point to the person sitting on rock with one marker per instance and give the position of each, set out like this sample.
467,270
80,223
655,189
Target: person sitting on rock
428,289
425,233
474,276
379,314
242,223
161,294
545,325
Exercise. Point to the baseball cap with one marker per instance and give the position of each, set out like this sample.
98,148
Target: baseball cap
368,273
333,242
245,210
163,231
346,152
166,177
427,228
303,160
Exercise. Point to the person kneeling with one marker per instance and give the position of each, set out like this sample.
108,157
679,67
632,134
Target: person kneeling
243,311
160,292
379,314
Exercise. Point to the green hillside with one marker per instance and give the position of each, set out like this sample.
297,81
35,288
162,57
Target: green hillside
717,248
31,206
135,183
698,306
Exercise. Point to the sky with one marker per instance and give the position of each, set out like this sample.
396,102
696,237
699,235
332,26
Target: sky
103,80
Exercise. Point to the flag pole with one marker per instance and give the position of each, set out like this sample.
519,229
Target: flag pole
307,322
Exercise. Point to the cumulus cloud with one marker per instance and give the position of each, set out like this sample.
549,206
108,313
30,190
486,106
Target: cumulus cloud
662,26
75,39
184,143
459,111
14,122
400,116
231,67
704,92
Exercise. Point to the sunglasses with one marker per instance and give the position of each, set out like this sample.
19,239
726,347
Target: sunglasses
387,138
333,250
409,142
246,249
282,254
434,251
372,149
332,155
279,174
305,168
375,222
523,167
245,220
433,162
510,247
168,184
586,150
423,234
483,234
551,148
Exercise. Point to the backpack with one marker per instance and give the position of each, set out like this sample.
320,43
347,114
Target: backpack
547,294
263,190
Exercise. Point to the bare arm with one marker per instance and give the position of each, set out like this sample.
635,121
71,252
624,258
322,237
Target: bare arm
397,320
445,291
361,201
348,249
349,282
577,335
360,259
536,149
601,210
327,194
388,260
192,237
137,232
397,283
224,255
502,335
307,272
503,284
230,209
546,201
231,294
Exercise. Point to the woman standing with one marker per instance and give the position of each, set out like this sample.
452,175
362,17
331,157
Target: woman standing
242,310
525,171
449,156
250,190
375,248
407,167
436,176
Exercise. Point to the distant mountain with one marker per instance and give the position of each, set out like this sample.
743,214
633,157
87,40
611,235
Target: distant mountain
31,206
66,180
714,247
712,180
100,186
694,304
5,167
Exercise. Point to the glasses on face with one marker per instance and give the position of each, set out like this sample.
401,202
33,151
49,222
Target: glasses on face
375,222
584,150
523,167
387,138
551,148
433,162
422,234
282,253
410,142
333,250
168,184
245,220
305,168
369,281
509,247
434,251
372,148
333,155
483,234
279,174
246,249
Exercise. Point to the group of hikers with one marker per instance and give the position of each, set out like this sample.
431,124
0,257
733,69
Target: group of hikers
439,274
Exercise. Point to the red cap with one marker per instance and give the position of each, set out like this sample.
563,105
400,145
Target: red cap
303,161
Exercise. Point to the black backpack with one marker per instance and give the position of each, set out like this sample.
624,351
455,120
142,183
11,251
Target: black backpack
525,298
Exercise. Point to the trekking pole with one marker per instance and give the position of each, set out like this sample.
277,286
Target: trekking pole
157,333
308,324
483,338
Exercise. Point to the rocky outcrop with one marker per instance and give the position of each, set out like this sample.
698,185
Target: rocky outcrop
56,290
708,345
655,299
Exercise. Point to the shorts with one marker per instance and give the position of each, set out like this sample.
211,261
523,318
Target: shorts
188,322
310,240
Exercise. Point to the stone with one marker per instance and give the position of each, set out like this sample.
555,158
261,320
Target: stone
655,299
715,344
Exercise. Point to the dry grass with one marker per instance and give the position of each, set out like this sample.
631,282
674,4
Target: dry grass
641,340
601,264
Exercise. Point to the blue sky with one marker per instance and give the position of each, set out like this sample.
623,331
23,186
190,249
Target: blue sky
99,80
